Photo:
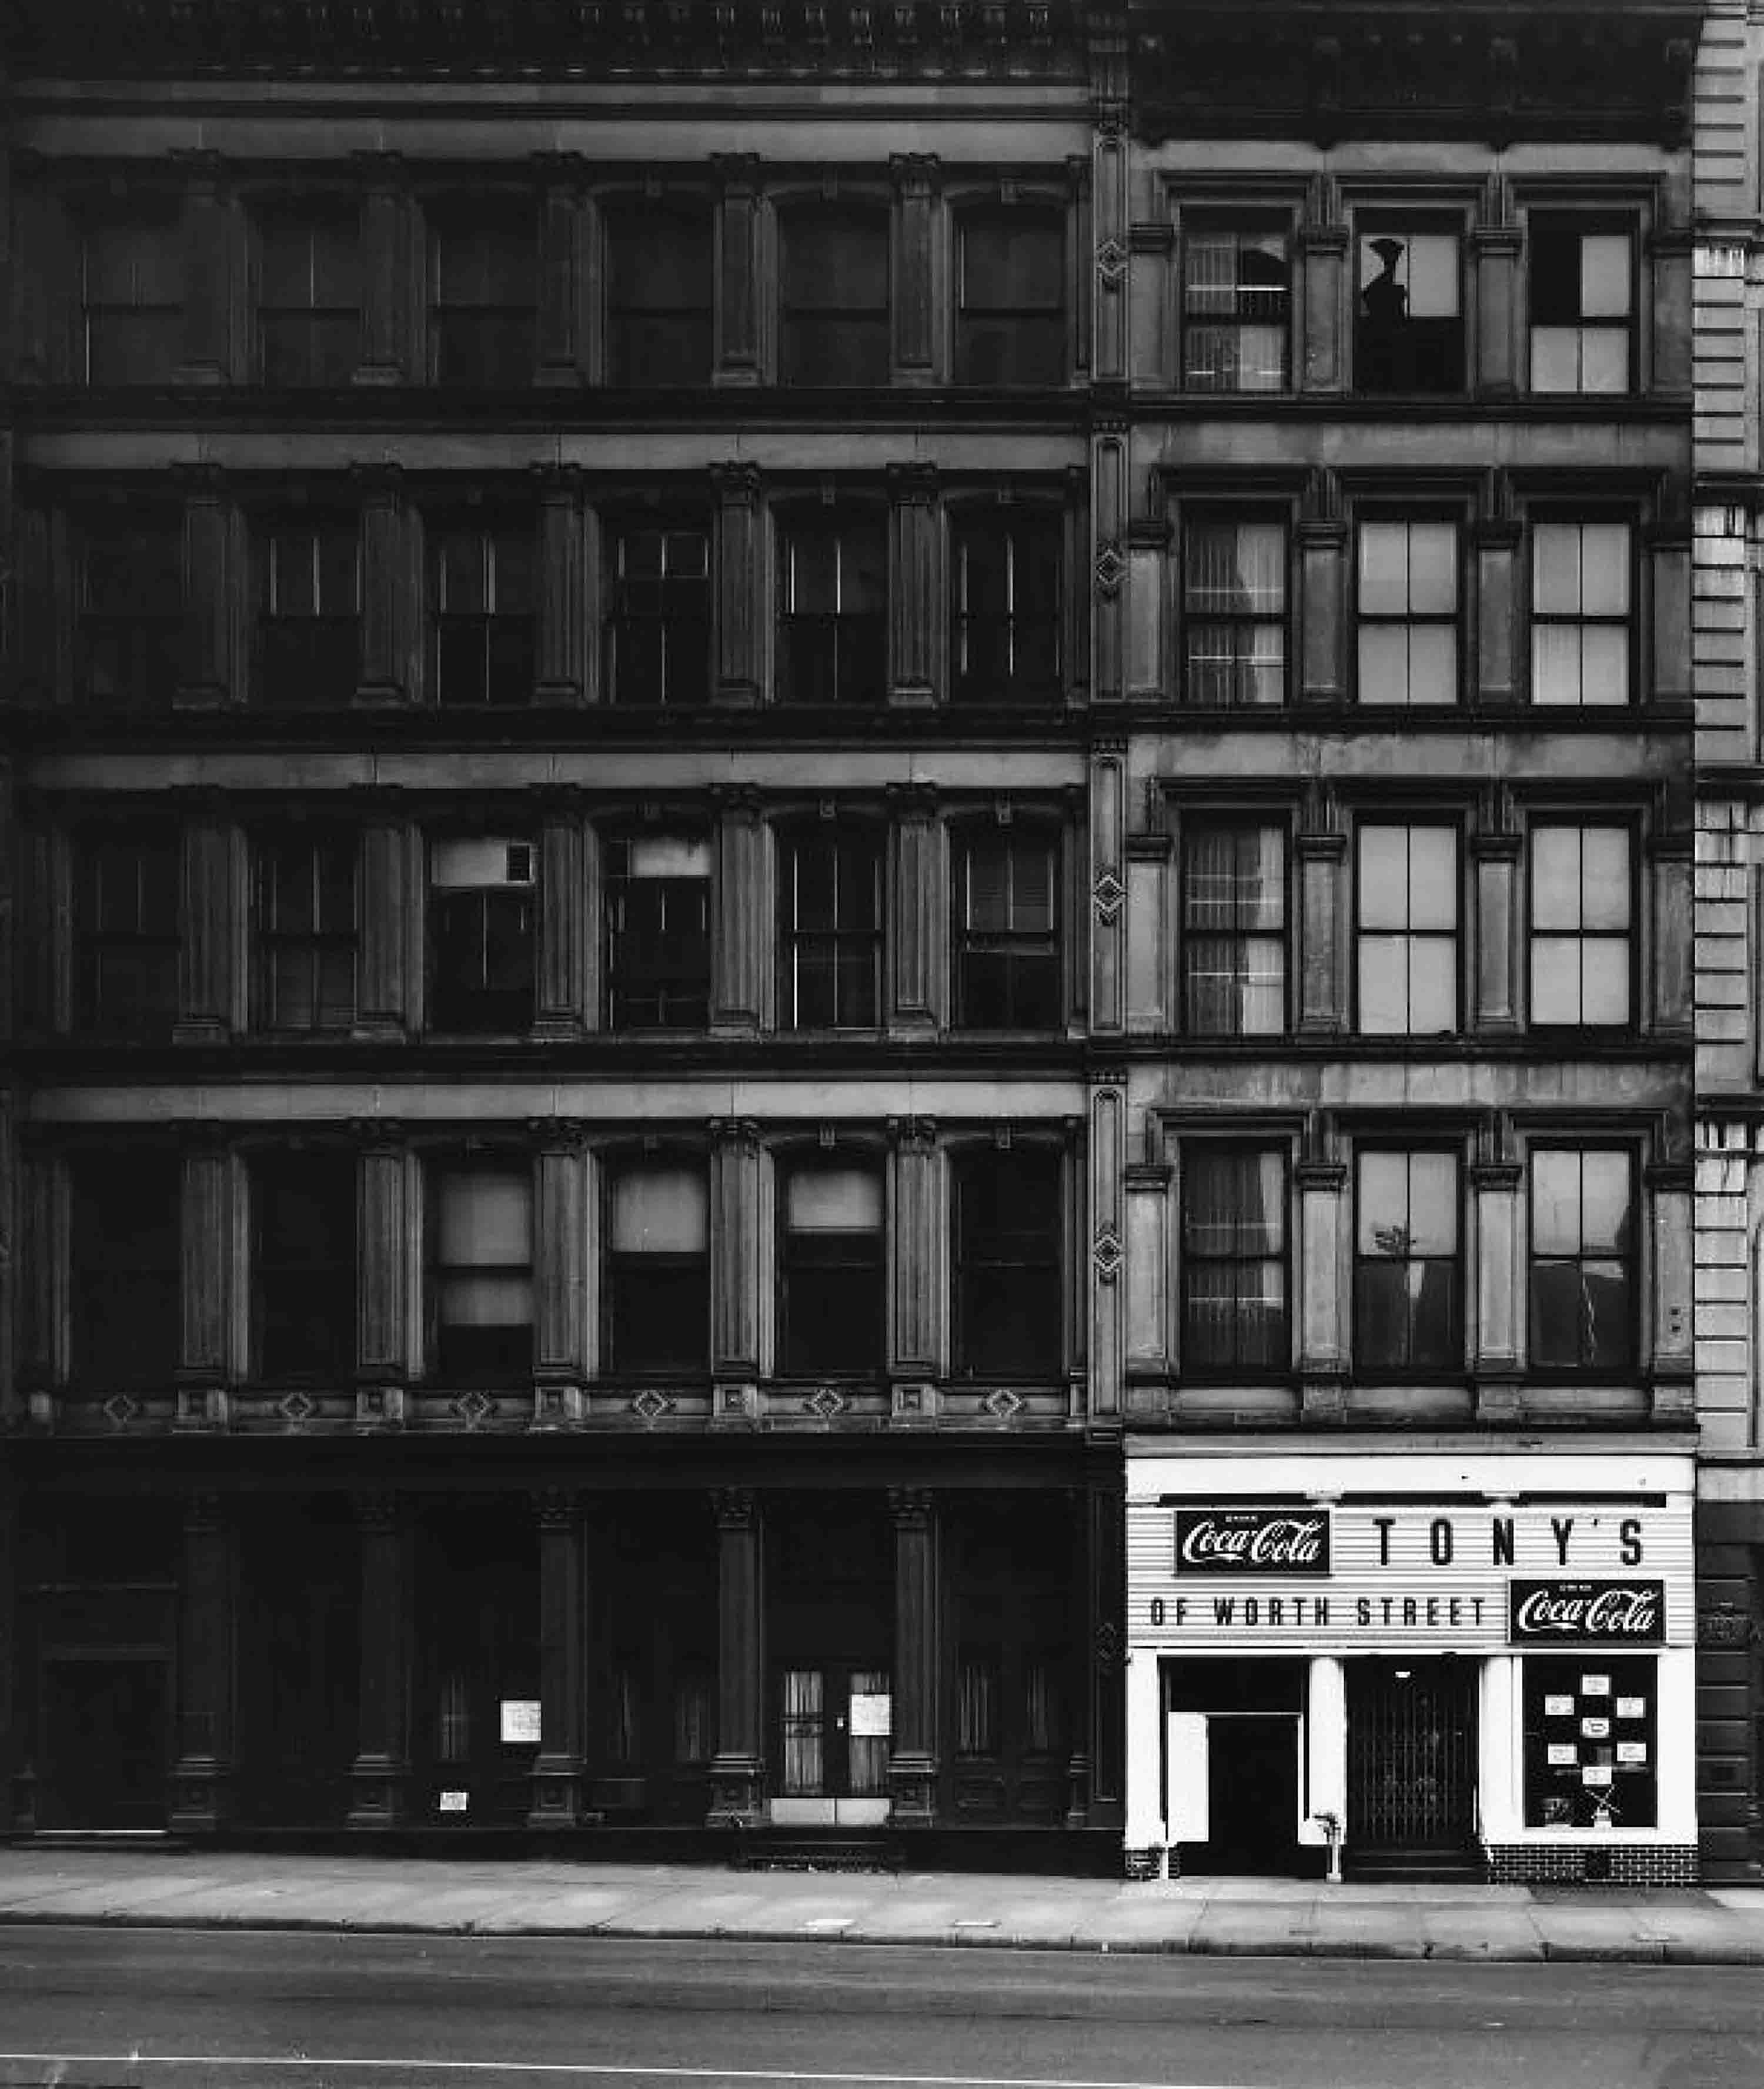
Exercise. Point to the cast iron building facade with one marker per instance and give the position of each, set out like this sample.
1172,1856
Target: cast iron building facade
787,869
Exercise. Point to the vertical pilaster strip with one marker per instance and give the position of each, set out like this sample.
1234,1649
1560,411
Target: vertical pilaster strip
44,928
562,237
1111,323
208,681
562,636
1102,1644
1108,887
1323,954
738,331
914,292
739,571
912,1755
203,1774
916,619
207,1287
1497,247
205,998
1671,870
1499,950
1668,1185
32,647
207,249
1323,580
382,1309
1666,677
561,1266
1146,1266
392,590
388,894
387,302
917,1234
1326,1737
557,1783
1500,539
1323,1350
1147,1835
1671,253
1109,465
738,1769
738,1242
1323,272
562,1000
45,1257
1497,1334
379,1775
918,918
740,939
1105,1250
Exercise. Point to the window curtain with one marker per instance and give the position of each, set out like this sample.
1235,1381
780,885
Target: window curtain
1235,918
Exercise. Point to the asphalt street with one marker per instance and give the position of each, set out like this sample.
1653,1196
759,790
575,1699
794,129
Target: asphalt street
207,2010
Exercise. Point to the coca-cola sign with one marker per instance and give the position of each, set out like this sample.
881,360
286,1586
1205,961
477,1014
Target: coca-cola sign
1587,1613
1252,1541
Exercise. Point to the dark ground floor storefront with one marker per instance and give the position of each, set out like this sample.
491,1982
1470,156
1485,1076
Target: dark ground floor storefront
1730,1685
655,1651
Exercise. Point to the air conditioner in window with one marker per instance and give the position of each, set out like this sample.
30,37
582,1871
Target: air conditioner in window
520,863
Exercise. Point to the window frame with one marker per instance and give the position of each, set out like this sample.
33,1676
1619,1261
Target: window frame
1043,1277
1409,823
480,216
968,320
163,215
1001,524
441,1168
856,639
1453,622
322,644
336,1276
870,941
316,943
1193,1153
1628,1366
1017,946
628,626
312,216
505,672
1391,219
150,1284
1565,220
865,1269
1629,622
1628,934
624,965
619,1266
454,1000
1197,521
150,639
91,943
1454,1364
1246,230
619,214
870,326
1210,822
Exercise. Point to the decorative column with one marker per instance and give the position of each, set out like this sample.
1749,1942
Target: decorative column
208,681
1323,1359
1108,887
562,306
1105,1232
207,1287
1671,253
1499,538
561,1012
738,1768
561,674
1102,1602
389,300
1147,1186
912,1752
380,1774
1324,282
205,994
561,1273
202,1776
1321,848
1500,1785
915,1345
38,611
738,271
558,1769
1322,587
207,243
739,585
385,1194
741,935
1671,1368
389,892
917,625
1498,1340
1145,1854
1670,870
1109,469
738,1240
392,590
915,177
1666,683
1497,247
1326,1738
918,918
1111,331
1495,848
45,1252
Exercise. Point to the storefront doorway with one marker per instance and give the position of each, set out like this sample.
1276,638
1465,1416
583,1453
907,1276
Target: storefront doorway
1236,1737
832,1725
105,1733
1411,1731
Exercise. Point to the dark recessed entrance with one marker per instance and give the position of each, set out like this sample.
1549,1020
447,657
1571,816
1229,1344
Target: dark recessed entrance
1411,1757
1252,1709
104,1736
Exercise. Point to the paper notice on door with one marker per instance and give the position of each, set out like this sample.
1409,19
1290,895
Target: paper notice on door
872,1715
520,1719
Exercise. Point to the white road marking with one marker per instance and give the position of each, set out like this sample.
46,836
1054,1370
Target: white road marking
599,2071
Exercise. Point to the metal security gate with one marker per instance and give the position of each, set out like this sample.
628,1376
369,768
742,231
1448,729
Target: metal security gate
1411,1754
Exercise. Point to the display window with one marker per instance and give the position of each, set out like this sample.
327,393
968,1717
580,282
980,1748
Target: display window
1589,1742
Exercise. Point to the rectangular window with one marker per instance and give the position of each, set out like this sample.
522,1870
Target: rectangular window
1408,613
1581,613
309,624
1007,959
1583,926
1406,932
1591,1731
659,1270
1408,1282
832,619
1234,1278
835,322
1237,310
485,615
1410,334
832,1277
1234,614
1234,928
134,296
1011,313
831,944
1583,1259
126,937
1581,286
976,1704
126,1282
658,933
658,294
307,933
1010,1265
309,296
1007,606
481,1275
658,629
482,914
131,611
303,1265
482,317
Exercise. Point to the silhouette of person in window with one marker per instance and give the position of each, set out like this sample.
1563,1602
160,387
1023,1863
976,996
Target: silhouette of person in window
1384,325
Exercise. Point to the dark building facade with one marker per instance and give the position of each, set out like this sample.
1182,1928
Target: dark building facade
785,854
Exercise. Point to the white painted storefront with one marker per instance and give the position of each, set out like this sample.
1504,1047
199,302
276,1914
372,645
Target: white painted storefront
1554,1585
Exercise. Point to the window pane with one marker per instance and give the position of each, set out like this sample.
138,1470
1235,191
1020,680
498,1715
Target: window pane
1432,985
1384,877
1604,665
1555,359
1384,569
1384,983
485,1301
1556,979
1432,275
1556,1224
1604,359
1605,981
1433,1203
1555,584
1432,568
1605,876
1432,664
1384,663
1606,1181
486,1219
834,1200
1605,275
1432,878
836,262
659,1211
1556,655
1604,569
1012,264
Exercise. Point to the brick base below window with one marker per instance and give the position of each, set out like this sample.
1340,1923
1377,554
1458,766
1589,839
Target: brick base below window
1591,1864
1148,1863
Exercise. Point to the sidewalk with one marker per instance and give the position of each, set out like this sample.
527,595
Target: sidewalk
1225,1917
